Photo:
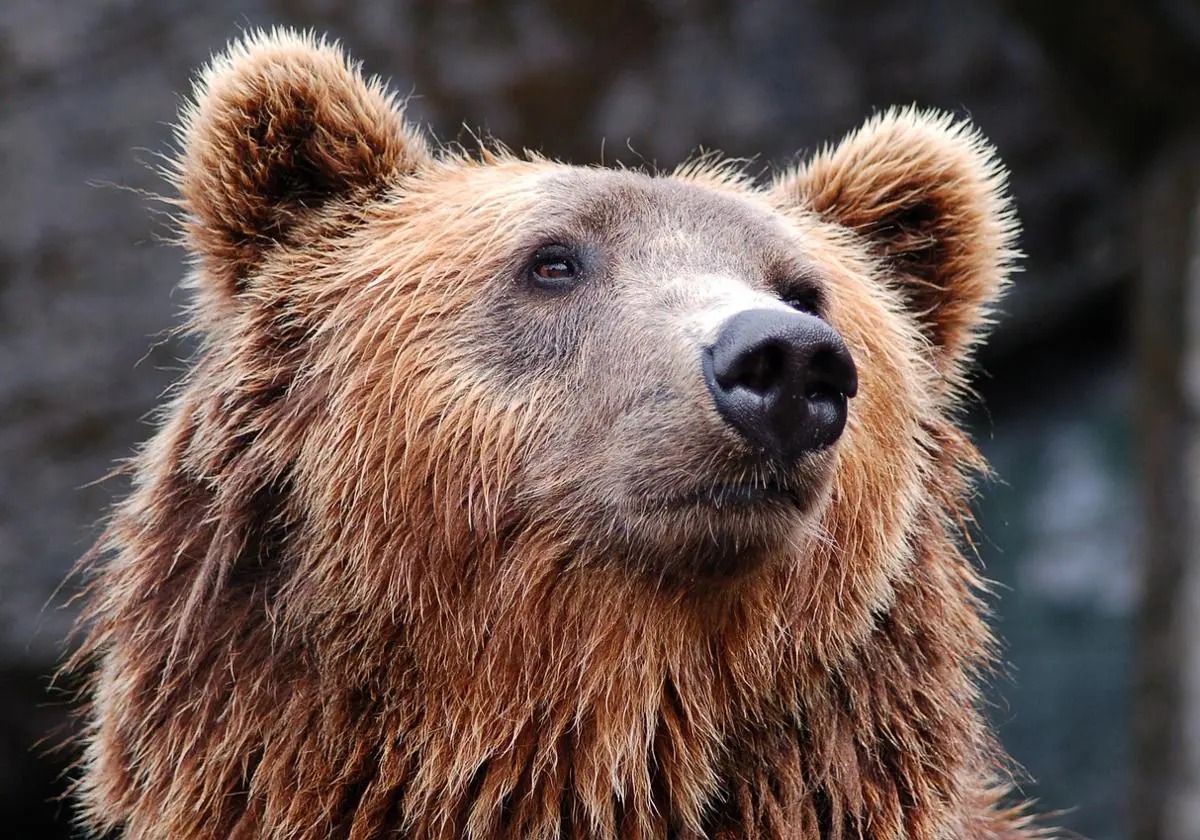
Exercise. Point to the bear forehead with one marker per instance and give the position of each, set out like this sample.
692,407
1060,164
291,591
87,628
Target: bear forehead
697,218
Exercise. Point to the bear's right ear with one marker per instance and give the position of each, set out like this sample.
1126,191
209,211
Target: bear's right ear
928,195
279,124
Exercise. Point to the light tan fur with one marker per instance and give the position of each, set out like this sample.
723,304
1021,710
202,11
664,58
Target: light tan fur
385,573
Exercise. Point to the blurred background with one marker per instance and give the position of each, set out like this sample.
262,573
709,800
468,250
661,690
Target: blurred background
1089,390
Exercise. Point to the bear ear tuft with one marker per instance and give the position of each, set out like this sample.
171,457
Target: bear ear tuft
279,124
930,197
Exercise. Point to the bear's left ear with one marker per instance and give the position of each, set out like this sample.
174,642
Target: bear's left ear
930,198
279,125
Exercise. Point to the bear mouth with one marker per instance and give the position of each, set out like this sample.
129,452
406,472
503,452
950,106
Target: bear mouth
740,495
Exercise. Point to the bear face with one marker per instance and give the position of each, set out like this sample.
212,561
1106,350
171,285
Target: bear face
627,451
507,498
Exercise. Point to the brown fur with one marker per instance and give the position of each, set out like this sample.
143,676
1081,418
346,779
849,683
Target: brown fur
391,565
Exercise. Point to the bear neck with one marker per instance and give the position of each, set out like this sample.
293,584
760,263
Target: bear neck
623,716
592,710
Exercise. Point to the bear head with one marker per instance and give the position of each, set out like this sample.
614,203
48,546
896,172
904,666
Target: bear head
512,498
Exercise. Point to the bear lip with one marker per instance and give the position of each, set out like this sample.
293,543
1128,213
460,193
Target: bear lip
739,495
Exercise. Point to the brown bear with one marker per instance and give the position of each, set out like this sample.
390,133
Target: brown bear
512,499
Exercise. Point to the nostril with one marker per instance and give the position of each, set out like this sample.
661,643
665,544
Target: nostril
831,373
758,369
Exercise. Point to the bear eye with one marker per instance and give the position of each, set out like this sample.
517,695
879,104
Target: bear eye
554,267
804,300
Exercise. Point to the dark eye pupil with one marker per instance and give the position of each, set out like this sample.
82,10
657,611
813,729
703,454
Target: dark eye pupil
803,302
554,270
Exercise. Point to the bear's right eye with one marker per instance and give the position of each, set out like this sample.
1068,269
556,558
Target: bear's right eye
555,268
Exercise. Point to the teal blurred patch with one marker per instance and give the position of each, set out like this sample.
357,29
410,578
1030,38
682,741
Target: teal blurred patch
1057,536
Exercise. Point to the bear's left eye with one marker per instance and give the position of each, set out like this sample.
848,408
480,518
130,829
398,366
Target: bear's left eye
555,267
804,300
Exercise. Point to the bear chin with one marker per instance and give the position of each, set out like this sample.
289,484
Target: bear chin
718,530
724,555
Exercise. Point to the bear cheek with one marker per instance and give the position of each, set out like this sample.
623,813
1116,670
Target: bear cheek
881,458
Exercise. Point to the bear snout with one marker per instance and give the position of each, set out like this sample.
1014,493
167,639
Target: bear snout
782,379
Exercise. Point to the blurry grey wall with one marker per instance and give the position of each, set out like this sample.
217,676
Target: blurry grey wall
88,89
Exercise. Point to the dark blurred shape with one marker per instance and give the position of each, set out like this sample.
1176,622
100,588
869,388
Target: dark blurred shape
86,303
1129,67
1131,72
1166,804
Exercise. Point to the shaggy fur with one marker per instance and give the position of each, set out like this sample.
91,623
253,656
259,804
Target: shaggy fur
392,565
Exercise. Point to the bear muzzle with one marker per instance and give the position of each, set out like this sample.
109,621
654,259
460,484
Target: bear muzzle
782,379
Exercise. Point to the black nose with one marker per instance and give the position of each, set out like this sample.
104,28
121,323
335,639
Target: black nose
781,378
